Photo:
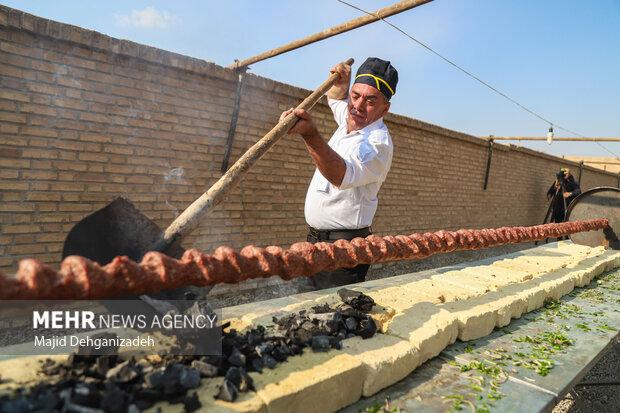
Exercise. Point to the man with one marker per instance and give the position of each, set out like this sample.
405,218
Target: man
342,197
567,189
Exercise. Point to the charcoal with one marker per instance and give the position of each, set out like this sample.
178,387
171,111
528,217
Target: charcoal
228,392
123,373
257,364
113,400
240,379
356,299
308,326
255,336
269,361
237,358
304,336
85,395
157,379
264,349
189,378
205,369
330,327
105,363
320,343
191,403
280,354
367,328
132,408
351,324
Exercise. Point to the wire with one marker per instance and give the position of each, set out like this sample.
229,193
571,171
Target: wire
471,75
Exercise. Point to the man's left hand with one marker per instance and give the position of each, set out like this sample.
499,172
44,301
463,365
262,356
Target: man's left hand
305,125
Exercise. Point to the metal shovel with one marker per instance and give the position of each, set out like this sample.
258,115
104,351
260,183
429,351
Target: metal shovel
121,229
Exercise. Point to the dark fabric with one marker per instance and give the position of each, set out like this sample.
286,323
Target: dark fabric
381,69
559,207
341,276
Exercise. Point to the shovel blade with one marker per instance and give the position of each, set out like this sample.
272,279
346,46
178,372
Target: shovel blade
118,229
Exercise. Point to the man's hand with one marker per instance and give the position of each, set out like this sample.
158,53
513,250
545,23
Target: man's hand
340,90
329,163
567,194
305,125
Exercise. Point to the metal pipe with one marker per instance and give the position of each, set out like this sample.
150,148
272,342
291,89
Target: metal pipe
233,120
341,28
486,177
521,138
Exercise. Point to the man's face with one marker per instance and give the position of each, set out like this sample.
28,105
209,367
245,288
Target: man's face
566,173
366,105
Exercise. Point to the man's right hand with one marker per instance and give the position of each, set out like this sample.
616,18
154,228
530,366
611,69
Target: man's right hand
340,89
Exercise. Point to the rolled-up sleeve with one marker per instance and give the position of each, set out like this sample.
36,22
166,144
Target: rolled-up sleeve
370,162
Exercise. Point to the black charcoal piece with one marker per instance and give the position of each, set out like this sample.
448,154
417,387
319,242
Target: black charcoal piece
85,395
269,361
239,378
132,408
257,364
189,378
113,400
367,328
237,358
320,343
351,323
356,299
191,403
264,349
104,363
228,392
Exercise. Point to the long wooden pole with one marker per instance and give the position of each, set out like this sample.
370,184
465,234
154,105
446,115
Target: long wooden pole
190,218
341,28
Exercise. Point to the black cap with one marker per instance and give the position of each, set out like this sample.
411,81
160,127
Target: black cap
379,74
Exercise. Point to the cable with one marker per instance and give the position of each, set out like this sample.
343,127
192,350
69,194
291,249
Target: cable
472,76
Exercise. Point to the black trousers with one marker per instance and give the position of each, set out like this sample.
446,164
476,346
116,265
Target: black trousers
341,276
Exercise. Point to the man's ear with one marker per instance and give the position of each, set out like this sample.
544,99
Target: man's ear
387,107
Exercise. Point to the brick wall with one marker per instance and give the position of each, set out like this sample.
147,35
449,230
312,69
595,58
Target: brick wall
85,118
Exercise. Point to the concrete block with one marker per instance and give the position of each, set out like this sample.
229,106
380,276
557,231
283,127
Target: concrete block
529,292
427,327
314,382
386,360
247,402
456,285
475,317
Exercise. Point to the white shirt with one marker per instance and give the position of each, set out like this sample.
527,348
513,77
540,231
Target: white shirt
367,154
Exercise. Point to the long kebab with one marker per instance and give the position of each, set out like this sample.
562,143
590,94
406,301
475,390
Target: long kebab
81,278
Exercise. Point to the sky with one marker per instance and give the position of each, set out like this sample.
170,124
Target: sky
558,58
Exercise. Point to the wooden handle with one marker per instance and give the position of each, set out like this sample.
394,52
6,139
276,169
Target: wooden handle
190,218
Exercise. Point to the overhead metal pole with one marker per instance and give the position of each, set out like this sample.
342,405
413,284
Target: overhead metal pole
521,138
341,28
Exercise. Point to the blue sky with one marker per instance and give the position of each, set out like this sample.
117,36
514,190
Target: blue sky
558,58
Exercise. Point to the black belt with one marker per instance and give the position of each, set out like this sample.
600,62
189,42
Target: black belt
336,234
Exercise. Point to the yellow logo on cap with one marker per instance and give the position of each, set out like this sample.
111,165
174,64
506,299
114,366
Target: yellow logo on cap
377,79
